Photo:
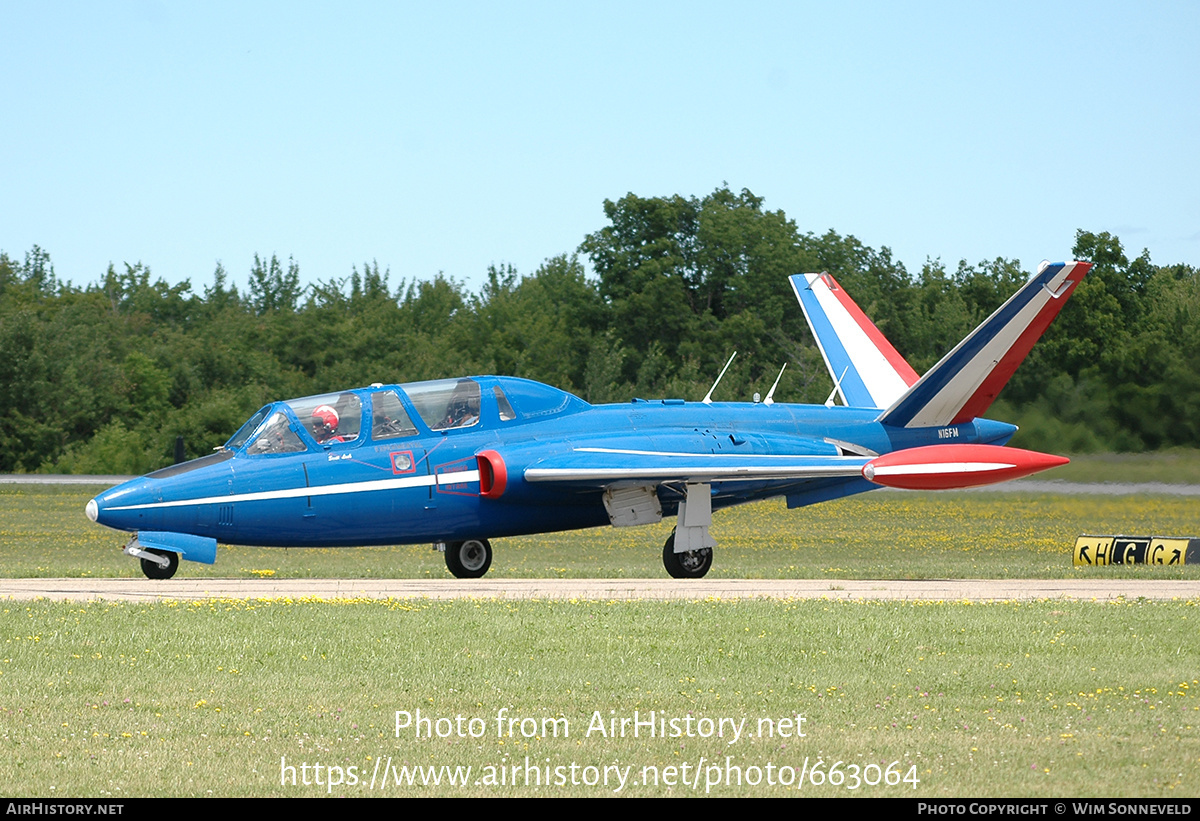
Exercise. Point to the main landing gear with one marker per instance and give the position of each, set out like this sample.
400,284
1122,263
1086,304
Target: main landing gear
469,559
691,564
688,553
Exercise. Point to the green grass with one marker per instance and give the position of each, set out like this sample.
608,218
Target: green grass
1035,699
1021,699
894,535
1179,466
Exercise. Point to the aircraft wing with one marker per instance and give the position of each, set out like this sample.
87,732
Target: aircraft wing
600,467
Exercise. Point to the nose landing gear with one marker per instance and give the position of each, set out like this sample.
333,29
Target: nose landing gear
154,570
156,564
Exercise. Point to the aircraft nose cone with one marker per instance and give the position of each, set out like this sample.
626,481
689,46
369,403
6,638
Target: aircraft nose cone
129,506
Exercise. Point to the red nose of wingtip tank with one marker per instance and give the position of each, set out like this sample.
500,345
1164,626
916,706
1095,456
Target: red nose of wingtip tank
947,467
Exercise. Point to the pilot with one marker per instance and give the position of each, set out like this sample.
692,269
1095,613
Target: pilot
325,424
463,411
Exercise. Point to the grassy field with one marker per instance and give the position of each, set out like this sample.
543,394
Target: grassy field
1180,466
886,534
222,697
247,698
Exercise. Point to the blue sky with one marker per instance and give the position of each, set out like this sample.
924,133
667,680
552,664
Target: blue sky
447,136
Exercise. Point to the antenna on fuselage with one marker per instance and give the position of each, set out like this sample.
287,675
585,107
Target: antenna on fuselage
770,400
708,396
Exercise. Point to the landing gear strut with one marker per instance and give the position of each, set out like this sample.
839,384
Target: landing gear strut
469,559
694,554
692,564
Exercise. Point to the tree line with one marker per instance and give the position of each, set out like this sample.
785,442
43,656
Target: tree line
101,378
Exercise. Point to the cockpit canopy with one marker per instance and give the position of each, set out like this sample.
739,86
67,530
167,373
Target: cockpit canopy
380,413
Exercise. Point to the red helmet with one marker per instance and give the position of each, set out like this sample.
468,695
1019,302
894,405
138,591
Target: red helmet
326,417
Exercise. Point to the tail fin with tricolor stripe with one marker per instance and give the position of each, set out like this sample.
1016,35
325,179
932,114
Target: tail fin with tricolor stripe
967,380
867,371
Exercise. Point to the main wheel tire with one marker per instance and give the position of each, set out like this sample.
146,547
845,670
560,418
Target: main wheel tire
469,559
153,571
690,565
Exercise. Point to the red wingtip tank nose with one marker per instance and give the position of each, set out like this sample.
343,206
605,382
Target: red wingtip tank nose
947,467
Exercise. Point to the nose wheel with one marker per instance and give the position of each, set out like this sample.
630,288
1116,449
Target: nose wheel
155,569
469,559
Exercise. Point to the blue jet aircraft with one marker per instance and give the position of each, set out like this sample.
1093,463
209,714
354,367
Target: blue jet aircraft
457,462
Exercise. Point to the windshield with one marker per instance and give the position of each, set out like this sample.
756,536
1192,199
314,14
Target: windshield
247,429
276,436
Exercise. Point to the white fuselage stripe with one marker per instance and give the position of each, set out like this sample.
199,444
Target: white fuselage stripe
627,452
705,473
398,483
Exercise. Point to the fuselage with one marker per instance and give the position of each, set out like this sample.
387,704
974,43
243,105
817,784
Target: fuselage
402,464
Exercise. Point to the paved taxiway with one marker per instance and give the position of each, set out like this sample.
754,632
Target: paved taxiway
978,590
